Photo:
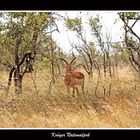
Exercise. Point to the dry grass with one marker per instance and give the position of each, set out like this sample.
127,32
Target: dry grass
52,107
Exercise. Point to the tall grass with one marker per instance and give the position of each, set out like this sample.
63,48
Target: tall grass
50,106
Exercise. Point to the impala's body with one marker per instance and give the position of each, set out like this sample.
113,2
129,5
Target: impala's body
72,78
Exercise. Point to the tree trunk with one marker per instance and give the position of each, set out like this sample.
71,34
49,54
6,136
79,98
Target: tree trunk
18,86
53,71
104,64
18,82
52,62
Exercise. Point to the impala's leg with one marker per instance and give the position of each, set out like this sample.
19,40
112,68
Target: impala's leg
73,90
82,86
77,91
68,89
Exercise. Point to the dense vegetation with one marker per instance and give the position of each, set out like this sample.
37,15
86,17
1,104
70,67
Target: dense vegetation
32,88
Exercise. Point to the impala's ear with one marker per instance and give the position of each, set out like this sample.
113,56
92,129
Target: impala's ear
72,60
64,60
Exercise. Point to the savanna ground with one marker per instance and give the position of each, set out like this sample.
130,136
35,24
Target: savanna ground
50,106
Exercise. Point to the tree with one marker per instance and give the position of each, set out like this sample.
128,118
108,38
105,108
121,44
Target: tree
23,36
132,40
86,49
96,29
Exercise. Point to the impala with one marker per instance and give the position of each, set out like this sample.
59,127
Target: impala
72,78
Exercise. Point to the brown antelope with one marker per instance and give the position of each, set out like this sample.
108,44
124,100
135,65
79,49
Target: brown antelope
72,78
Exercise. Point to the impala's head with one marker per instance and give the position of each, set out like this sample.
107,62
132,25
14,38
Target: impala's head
68,65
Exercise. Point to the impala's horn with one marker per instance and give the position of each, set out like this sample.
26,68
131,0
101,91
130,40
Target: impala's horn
64,60
72,60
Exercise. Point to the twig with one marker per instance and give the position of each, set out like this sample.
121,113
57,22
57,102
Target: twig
33,79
